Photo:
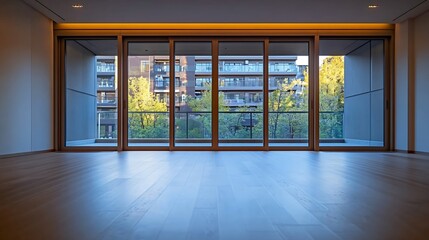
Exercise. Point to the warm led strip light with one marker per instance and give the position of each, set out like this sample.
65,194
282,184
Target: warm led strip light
222,26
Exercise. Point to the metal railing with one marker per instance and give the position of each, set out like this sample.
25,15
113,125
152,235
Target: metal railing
235,125
273,68
106,100
258,84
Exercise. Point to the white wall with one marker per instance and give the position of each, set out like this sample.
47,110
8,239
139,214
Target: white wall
402,62
26,77
421,70
412,84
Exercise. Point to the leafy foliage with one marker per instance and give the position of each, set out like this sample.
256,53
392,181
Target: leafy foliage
288,116
148,116
331,78
331,92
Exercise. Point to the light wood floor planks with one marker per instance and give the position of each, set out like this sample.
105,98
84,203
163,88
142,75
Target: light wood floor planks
215,195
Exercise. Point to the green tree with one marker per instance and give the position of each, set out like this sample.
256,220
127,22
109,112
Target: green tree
204,103
148,116
331,78
285,106
200,121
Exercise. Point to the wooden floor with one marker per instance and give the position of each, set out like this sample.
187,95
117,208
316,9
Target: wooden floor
215,195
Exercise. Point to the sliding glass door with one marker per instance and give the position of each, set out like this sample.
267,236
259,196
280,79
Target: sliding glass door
351,93
193,94
148,88
225,93
90,93
288,94
241,94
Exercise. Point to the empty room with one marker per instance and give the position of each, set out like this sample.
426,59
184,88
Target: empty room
251,120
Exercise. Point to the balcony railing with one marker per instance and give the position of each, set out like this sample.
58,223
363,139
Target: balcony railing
107,100
105,67
242,84
165,68
223,83
240,126
282,68
227,68
241,68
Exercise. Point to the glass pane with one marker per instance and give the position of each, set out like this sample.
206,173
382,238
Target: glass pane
148,94
288,94
91,93
351,92
193,84
241,94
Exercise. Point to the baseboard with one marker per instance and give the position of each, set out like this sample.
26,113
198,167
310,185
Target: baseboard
25,153
80,142
419,152
411,152
368,143
402,151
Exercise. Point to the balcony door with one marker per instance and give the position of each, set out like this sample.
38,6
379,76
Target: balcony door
148,94
193,94
289,92
217,94
241,94
352,96
224,93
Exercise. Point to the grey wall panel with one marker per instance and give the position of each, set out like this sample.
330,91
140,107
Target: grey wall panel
422,82
81,116
357,117
377,65
357,71
363,105
377,116
81,93
80,68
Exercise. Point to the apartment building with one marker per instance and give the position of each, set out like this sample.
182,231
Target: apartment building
240,82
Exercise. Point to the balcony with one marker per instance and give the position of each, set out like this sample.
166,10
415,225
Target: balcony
106,88
107,117
203,69
103,67
241,70
242,103
274,84
241,84
164,69
162,84
105,85
106,101
234,126
282,69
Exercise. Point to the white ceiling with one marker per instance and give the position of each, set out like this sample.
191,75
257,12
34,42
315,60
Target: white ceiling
221,11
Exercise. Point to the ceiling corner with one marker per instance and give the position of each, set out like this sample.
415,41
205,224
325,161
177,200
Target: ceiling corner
413,12
38,6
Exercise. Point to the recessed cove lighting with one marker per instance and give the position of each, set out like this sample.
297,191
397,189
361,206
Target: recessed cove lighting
372,6
77,5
